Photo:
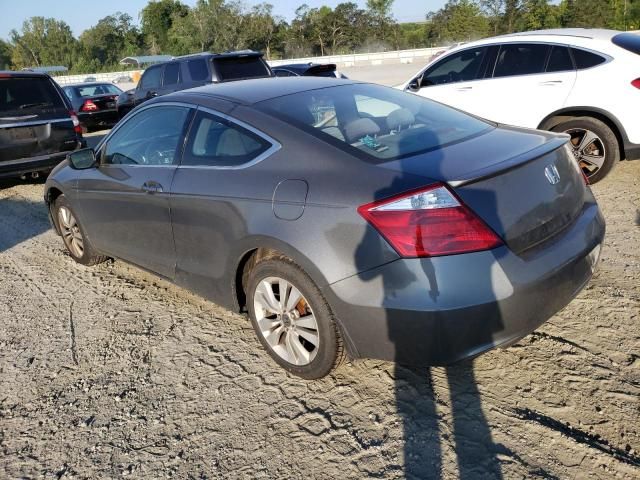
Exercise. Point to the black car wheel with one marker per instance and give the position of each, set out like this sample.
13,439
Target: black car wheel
595,147
292,320
73,235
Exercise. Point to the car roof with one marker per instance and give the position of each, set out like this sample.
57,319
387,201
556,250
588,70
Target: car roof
24,74
248,92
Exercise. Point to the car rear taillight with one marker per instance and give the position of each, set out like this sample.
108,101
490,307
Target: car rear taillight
88,106
636,83
76,123
429,222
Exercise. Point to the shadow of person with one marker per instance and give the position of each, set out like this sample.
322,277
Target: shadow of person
419,299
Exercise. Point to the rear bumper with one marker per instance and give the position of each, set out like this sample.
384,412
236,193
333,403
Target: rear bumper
631,151
14,168
445,309
106,118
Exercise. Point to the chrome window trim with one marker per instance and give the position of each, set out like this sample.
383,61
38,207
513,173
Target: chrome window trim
275,145
34,122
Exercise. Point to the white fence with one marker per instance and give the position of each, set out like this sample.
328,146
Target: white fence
351,60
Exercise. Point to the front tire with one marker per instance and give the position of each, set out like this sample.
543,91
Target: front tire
292,319
73,234
594,145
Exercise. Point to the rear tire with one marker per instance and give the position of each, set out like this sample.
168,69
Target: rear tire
297,329
594,145
73,234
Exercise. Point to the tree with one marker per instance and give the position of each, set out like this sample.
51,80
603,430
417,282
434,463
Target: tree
458,20
494,10
157,18
538,14
5,55
111,39
43,41
380,11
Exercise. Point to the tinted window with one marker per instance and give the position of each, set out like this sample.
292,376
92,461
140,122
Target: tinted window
283,73
243,67
150,137
93,90
214,141
198,70
27,94
628,41
459,67
151,78
521,59
171,74
559,60
586,59
374,122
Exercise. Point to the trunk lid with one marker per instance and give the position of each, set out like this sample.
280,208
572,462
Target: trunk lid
34,119
102,102
524,184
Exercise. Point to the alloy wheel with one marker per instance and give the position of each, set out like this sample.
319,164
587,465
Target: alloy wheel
286,321
588,150
70,232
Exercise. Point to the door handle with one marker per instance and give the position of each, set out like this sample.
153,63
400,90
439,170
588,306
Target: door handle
151,187
464,89
551,83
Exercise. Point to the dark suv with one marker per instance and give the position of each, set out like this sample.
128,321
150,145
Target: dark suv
37,124
194,71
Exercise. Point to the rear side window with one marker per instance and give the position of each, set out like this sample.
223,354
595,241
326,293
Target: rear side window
559,60
233,68
198,70
151,78
28,94
217,142
459,67
171,74
521,59
586,59
628,41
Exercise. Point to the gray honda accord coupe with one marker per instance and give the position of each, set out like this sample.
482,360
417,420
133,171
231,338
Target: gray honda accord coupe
345,218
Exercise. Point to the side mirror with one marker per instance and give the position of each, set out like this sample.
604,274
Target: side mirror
415,84
82,159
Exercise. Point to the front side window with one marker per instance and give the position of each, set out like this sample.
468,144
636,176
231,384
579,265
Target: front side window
460,67
217,142
521,59
374,122
150,137
198,70
151,78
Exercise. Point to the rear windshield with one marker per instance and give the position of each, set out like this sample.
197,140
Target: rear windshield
628,41
234,68
322,71
375,122
93,90
28,94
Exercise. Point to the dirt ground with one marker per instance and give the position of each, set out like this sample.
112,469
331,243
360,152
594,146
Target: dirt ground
109,372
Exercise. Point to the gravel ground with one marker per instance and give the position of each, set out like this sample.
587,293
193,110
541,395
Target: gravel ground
109,372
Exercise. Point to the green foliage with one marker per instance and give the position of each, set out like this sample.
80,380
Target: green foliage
171,27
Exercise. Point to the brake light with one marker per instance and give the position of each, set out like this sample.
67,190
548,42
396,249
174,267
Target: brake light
429,222
76,123
88,106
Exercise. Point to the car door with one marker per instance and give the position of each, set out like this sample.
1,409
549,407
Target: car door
455,79
150,84
124,203
209,203
529,81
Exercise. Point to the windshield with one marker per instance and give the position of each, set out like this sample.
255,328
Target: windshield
26,94
375,122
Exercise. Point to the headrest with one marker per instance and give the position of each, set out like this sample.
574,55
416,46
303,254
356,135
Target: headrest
400,119
360,128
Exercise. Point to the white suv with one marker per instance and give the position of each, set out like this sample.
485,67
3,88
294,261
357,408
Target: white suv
584,82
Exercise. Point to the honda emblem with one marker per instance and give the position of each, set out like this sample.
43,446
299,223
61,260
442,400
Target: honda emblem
551,172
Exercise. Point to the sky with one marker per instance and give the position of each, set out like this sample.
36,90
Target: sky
82,14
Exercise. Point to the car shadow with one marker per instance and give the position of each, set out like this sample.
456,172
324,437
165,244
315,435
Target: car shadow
20,219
